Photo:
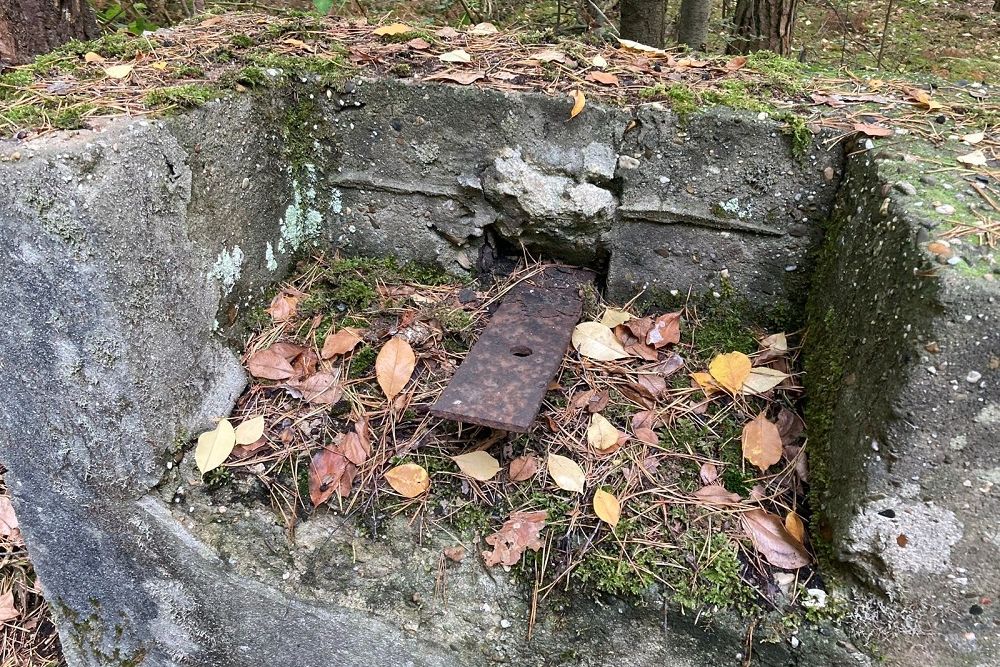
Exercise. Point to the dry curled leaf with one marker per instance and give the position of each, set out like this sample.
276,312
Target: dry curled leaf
456,56
795,527
666,330
773,542
566,473
708,473
478,465
601,434
270,365
326,470
284,306
523,468
596,341
605,78
579,100
736,63
873,130
250,430
9,526
762,379
409,480
354,449
716,494
319,388
341,342
8,611
394,366
607,508
455,554
761,442
730,370
215,446
521,531
463,77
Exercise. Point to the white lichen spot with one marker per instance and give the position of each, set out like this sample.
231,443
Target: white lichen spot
336,202
302,221
227,268
272,263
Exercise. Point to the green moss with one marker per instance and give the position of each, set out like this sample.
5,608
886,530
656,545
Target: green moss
189,95
217,478
796,128
717,580
70,118
362,362
682,100
188,72
241,41
724,326
736,95
782,73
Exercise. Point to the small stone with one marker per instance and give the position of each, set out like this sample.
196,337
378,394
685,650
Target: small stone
945,209
952,261
794,641
973,377
627,162
504,623
828,174
928,180
791,267
906,188
245,184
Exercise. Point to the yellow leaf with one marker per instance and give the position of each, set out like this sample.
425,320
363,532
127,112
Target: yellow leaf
599,62
214,447
730,370
579,99
762,379
456,56
613,317
566,473
629,45
478,465
596,341
795,527
601,434
607,507
706,383
92,57
409,480
250,430
394,365
119,71
393,29
159,66
762,442
924,98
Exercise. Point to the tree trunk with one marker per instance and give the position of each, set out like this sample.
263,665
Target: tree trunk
996,6
763,25
644,21
30,27
692,23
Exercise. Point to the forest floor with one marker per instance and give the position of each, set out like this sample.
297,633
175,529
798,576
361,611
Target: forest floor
940,67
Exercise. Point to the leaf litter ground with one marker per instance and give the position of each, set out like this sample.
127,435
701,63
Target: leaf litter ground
660,457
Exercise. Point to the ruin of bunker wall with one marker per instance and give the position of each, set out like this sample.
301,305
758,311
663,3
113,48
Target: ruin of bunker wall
136,251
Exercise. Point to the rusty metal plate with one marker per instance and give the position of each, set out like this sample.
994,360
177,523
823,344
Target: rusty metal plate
502,382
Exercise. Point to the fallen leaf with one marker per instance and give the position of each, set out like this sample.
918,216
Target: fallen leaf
873,130
250,430
92,57
601,434
974,138
579,100
790,426
666,330
521,531
418,44
630,45
447,33
643,419
454,554
214,446
647,435
394,366
341,342
924,98
297,43
319,388
9,526
708,473
463,77
736,63
159,66
730,370
456,56
673,363
549,56
605,78
599,61
774,542
326,469
7,609
716,494
482,29
119,71
762,379
270,365
795,527
596,341
409,480
761,442
566,473
706,382
654,384
393,29
691,62
974,159
478,465
353,449
613,317
775,343
607,508
523,468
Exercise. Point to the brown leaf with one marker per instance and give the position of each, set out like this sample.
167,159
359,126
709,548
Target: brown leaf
593,400
795,527
283,306
269,365
715,494
287,351
306,363
761,442
464,77
654,384
9,526
666,330
603,77
341,342
418,44
790,426
736,63
394,366
409,480
643,419
353,449
325,472
774,542
708,473
873,130
579,100
607,507
523,468
455,554
647,435
8,611
320,389
519,532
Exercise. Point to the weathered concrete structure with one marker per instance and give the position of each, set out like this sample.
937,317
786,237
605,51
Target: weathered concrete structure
131,252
